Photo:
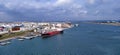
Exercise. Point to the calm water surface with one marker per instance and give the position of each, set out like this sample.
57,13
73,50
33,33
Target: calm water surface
87,39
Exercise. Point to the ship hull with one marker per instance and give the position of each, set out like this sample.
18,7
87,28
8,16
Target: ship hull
52,33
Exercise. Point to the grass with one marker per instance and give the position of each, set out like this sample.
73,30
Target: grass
10,35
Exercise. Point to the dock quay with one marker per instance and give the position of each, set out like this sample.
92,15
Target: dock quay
15,30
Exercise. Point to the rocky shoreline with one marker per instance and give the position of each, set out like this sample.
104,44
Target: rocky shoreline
114,24
10,36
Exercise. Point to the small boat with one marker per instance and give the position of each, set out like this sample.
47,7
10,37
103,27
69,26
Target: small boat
28,37
76,25
8,42
4,43
21,39
36,36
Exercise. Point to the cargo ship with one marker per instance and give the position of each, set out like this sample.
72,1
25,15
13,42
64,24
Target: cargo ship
52,33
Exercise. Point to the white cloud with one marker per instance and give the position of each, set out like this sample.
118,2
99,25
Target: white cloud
78,10
62,2
33,4
48,8
97,11
91,1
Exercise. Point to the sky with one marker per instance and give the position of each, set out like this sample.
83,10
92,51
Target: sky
59,10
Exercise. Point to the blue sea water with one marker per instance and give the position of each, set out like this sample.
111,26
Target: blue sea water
86,39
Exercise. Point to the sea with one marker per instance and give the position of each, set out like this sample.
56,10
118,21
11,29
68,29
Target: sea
85,39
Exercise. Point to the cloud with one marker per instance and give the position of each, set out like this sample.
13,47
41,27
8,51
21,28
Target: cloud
36,9
62,2
58,9
91,1
32,4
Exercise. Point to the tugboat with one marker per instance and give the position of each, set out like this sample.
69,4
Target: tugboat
52,33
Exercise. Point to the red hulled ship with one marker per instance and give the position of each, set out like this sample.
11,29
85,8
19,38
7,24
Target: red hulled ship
52,33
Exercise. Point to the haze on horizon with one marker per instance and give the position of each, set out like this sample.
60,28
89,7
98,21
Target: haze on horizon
56,10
